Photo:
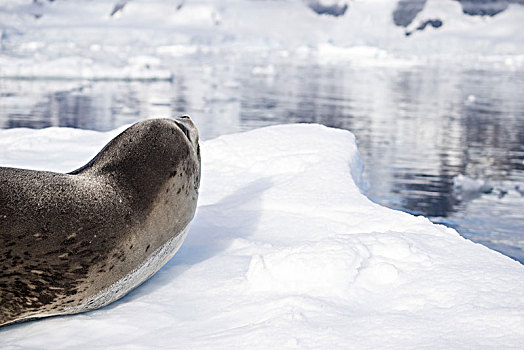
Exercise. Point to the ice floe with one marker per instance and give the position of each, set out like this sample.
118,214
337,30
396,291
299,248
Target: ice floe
286,252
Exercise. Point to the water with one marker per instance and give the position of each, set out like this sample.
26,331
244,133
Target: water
417,126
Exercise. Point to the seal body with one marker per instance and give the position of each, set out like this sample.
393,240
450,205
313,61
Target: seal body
75,242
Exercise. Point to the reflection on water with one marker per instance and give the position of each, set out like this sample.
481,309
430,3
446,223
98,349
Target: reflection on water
417,127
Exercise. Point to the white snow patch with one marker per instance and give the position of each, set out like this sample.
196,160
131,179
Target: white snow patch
286,252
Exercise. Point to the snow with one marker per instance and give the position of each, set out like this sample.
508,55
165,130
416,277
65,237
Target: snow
286,252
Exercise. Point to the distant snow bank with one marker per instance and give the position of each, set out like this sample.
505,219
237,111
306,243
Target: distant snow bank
286,252
144,39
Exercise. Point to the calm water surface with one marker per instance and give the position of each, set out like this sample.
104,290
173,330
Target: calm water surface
417,127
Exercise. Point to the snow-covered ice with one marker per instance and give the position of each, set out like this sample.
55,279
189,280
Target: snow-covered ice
286,252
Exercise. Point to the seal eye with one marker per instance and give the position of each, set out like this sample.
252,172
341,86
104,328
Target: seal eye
185,130
187,133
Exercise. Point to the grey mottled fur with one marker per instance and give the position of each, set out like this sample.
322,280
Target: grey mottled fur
64,238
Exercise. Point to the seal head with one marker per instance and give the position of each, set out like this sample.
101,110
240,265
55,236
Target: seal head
78,241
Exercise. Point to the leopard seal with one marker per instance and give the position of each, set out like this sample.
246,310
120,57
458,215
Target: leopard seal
78,241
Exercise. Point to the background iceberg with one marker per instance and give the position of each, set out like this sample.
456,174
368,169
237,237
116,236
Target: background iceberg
142,39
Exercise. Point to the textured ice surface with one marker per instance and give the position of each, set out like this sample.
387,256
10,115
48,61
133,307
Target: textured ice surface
286,252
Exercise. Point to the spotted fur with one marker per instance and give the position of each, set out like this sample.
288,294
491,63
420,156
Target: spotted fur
66,239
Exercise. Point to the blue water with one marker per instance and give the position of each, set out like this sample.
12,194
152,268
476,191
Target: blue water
417,127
